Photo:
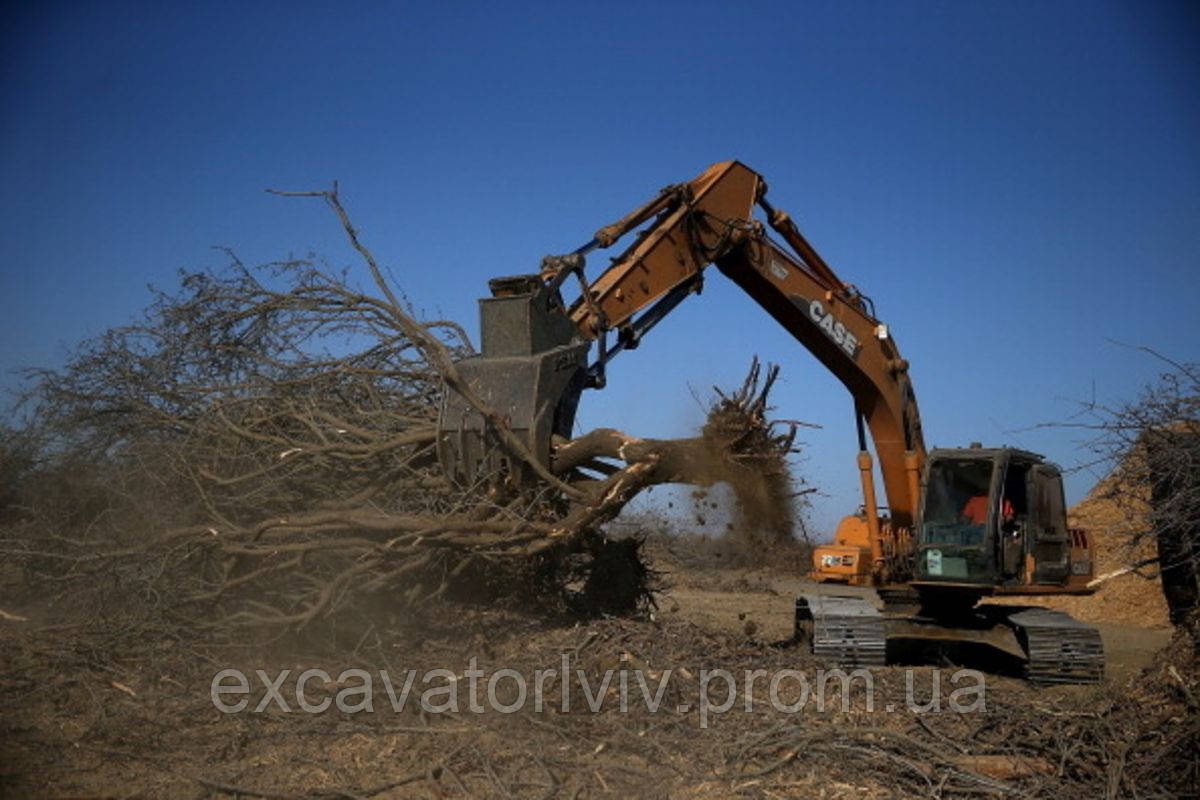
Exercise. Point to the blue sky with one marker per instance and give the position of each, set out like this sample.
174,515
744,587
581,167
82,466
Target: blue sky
1014,184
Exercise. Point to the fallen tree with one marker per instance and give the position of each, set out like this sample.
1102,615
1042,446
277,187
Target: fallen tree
259,449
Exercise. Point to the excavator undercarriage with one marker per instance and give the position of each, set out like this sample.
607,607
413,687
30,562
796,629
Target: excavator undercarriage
1045,646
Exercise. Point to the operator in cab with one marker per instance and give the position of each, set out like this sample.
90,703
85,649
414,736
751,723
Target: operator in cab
976,510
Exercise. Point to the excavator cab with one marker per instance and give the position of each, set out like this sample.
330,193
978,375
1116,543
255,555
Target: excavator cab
996,519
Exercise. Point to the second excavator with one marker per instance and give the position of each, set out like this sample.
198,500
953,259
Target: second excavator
959,525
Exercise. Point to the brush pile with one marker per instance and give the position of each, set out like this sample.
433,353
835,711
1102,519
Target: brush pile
259,450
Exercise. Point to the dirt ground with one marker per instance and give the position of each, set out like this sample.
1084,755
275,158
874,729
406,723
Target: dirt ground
108,707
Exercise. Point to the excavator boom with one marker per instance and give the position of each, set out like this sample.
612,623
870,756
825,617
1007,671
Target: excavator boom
710,220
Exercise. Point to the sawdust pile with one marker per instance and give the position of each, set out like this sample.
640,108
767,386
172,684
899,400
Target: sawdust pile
1135,598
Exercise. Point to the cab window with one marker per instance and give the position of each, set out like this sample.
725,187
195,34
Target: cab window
957,503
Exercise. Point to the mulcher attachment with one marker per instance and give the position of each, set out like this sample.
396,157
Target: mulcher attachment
530,373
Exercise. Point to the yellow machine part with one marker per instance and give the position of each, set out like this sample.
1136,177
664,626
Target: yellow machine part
848,559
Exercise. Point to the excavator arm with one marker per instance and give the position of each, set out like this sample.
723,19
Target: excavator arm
710,220
535,346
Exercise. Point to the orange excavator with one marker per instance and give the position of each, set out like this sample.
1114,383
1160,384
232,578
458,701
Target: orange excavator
959,525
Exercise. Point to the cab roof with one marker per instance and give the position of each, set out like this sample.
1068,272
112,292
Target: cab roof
987,453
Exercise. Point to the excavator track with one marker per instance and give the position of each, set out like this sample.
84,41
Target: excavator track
846,630
849,632
1059,648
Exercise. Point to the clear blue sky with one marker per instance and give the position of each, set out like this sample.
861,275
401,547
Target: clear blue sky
1013,183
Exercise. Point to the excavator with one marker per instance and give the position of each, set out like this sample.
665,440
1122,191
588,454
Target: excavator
959,526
